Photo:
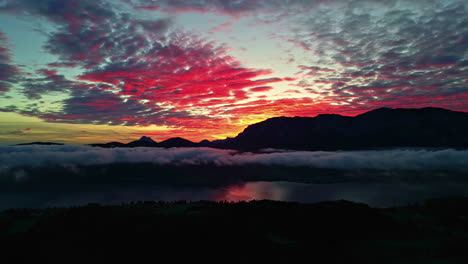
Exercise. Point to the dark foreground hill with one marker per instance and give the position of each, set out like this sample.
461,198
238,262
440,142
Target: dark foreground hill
253,232
380,128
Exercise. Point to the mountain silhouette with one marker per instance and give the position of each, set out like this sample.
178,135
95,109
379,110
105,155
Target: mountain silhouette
177,142
149,142
380,128
143,142
146,139
109,145
40,143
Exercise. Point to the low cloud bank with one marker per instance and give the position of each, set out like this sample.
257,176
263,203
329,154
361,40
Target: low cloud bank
43,156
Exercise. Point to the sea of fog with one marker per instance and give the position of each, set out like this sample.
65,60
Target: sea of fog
48,176
37,156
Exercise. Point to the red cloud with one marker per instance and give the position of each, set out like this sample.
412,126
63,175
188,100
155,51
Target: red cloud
261,89
189,73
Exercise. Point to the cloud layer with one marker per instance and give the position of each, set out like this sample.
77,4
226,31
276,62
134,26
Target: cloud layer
64,156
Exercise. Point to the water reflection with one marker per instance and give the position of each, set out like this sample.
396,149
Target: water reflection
253,191
284,191
378,195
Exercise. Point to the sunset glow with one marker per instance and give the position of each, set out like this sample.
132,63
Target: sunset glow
113,70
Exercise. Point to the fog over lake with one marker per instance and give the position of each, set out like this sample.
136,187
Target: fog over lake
49,176
37,156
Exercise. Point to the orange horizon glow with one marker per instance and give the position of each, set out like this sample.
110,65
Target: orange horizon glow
100,71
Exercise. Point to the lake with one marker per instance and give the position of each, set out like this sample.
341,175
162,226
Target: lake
374,194
50,176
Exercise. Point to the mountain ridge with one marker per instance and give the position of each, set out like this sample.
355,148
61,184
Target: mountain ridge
379,128
429,127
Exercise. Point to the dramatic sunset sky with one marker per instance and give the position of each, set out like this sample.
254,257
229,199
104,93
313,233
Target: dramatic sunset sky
87,71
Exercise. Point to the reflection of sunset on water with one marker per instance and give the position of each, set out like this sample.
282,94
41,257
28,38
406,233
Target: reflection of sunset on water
252,191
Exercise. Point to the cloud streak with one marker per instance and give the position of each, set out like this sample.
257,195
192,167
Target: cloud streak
8,71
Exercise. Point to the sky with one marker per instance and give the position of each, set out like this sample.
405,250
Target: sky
93,71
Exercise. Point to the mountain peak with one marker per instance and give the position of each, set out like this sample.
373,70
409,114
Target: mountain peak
177,142
146,139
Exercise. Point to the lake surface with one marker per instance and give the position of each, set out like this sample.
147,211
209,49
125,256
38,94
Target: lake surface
374,194
49,176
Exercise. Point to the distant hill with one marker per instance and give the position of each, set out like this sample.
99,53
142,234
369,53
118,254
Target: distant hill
40,143
142,142
380,128
109,145
149,142
177,142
